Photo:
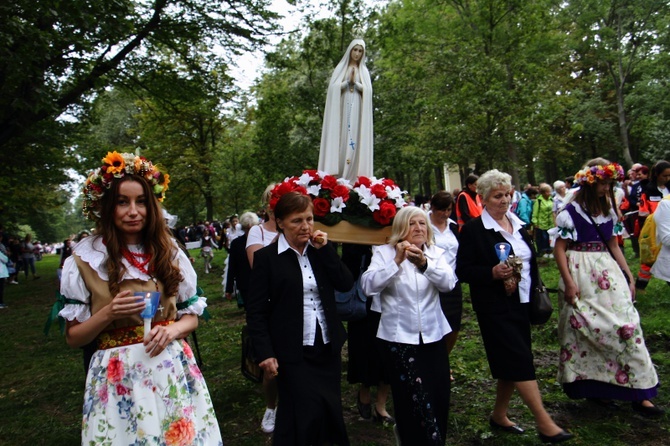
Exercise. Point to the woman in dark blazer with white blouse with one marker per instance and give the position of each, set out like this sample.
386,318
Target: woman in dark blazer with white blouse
502,306
293,323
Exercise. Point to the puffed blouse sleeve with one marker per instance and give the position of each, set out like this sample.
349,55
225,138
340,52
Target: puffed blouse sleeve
188,300
72,287
565,227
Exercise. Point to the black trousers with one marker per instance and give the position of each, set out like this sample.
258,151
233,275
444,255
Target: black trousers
421,387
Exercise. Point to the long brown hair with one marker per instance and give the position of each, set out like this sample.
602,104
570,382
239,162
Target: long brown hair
156,239
587,195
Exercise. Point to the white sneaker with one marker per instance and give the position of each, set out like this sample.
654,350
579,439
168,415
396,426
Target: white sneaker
268,423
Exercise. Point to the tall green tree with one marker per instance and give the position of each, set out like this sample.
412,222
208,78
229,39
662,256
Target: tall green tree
469,83
612,40
58,56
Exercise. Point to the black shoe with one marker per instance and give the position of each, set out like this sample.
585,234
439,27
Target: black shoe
364,410
647,411
558,438
513,429
386,420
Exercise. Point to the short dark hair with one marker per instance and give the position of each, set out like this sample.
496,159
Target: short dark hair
292,202
441,200
471,179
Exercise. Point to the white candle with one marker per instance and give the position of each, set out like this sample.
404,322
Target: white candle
147,320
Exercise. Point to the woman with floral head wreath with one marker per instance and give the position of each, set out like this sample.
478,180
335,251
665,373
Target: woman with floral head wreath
346,135
141,388
603,355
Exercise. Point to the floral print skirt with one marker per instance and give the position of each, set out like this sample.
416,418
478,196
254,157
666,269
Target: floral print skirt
133,399
600,336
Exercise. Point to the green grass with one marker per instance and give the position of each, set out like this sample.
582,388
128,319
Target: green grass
42,379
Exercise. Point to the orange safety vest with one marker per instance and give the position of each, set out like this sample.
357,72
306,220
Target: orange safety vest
474,207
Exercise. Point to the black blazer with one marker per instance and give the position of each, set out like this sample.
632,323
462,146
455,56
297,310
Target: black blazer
474,264
275,303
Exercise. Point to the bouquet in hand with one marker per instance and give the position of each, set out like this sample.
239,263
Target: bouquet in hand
511,282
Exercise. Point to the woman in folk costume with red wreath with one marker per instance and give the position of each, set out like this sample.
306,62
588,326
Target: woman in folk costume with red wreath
139,389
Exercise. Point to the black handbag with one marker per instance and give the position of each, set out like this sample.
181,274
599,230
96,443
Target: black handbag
350,304
540,303
249,366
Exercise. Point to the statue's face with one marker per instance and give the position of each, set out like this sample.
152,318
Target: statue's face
356,53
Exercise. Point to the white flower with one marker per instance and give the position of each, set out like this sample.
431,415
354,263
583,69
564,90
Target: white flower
337,205
367,198
129,161
304,179
344,182
313,189
400,202
393,192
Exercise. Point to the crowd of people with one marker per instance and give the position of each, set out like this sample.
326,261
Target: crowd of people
285,275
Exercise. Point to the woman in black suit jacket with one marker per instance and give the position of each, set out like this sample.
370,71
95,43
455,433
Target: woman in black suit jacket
293,323
502,305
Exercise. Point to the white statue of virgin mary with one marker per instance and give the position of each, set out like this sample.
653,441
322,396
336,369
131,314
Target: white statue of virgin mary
346,136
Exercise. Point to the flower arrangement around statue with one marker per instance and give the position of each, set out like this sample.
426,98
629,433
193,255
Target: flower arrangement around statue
369,202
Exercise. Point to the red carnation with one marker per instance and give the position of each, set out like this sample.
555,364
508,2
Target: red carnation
363,181
379,191
321,207
385,213
329,182
388,182
312,173
341,191
284,188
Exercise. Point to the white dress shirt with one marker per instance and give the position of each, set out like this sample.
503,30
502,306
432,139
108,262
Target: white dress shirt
312,309
447,240
410,303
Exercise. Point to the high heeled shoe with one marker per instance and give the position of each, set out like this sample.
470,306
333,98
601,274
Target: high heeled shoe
386,420
647,411
513,429
558,438
364,410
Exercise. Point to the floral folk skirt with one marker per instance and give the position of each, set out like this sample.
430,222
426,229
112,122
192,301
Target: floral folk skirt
603,353
133,399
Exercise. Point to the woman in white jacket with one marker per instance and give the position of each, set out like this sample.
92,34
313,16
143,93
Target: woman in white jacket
408,273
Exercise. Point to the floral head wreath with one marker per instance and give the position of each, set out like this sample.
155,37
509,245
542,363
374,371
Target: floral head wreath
118,165
590,175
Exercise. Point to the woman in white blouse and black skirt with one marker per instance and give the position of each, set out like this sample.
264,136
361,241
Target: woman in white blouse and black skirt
409,273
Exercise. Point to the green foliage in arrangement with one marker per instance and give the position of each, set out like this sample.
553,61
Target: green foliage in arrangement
41,391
